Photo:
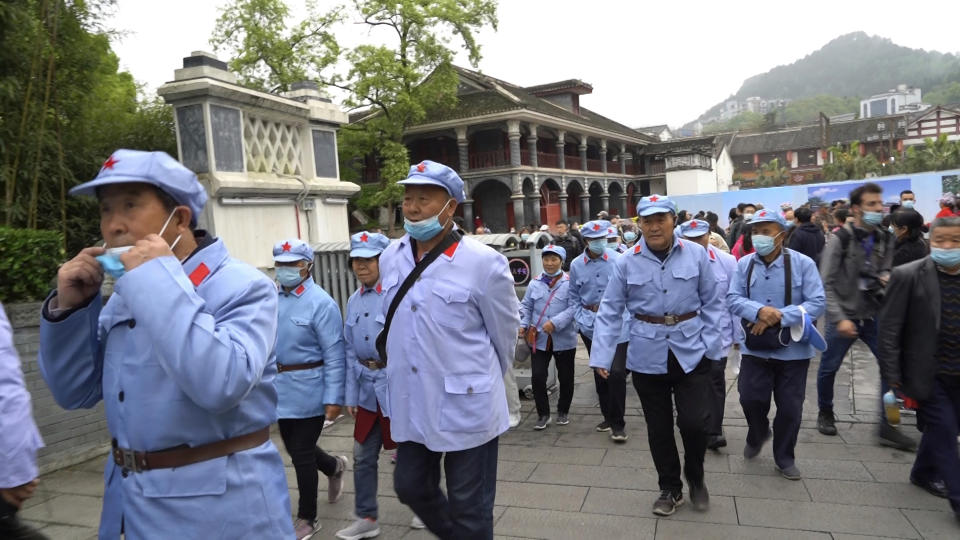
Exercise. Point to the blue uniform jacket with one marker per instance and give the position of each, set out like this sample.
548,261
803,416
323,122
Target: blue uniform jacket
680,284
724,266
588,280
19,438
365,315
309,329
179,355
451,341
559,311
766,289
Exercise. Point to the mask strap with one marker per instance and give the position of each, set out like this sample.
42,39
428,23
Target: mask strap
167,222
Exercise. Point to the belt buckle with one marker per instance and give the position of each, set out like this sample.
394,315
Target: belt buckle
670,320
129,459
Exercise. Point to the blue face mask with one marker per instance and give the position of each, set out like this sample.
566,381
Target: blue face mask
597,245
425,229
629,236
555,274
873,218
524,237
908,204
947,258
110,261
764,244
289,276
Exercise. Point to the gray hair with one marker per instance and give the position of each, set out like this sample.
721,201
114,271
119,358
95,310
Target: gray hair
944,222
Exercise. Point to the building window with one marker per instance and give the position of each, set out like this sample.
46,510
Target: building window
325,153
881,126
893,105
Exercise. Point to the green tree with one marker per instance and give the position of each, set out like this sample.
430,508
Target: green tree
745,121
772,173
848,164
944,94
808,109
395,83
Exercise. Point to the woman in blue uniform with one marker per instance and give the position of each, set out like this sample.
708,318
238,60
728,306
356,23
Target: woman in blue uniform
547,318
310,366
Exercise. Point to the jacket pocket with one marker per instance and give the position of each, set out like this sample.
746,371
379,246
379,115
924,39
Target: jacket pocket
204,478
466,402
451,310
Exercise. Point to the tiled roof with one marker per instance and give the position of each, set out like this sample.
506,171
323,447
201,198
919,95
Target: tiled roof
689,145
863,130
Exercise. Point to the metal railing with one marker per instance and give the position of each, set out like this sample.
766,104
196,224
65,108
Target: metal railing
332,271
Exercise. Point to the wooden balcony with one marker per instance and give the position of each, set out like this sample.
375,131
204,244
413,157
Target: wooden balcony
573,163
491,159
595,165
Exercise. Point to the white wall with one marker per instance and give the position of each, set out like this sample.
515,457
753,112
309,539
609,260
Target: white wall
723,169
691,182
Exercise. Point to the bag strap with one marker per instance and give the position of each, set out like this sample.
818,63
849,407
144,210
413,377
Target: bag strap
549,298
450,239
787,276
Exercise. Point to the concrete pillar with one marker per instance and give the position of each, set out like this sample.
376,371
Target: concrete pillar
560,145
584,208
563,207
513,133
532,142
623,163
583,153
605,201
622,205
463,148
603,155
535,207
518,217
468,214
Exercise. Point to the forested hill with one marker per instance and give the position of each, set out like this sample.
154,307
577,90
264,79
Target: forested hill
853,66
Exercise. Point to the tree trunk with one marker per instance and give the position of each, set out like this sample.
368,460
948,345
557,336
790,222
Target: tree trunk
35,183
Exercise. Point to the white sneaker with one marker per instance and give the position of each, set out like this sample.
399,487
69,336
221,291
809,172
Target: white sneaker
515,420
417,523
359,529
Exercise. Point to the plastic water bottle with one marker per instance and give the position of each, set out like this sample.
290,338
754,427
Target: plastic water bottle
891,409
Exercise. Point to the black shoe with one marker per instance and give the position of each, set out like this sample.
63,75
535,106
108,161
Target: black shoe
619,435
751,452
716,442
562,419
603,426
894,438
699,496
12,528
542,423
936,488
827,423
668,503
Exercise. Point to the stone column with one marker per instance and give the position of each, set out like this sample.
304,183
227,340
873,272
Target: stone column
560,145
563,206
623,163
518,218
603,155
622,204
535,207
463,148
532,142
605,201
583,153
468,214
513,133
584,208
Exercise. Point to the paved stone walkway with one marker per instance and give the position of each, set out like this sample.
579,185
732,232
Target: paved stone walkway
569,482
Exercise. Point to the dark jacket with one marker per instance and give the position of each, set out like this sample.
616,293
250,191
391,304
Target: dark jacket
909,324
734,231
807,239
571,245
841,264
909,250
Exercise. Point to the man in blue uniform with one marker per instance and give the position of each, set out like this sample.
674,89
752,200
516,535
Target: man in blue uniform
366,385
18,442
310,366
758,296
667,285
589,274
724,265
447,348
182,355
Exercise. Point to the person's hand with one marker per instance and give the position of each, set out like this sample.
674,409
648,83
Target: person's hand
79,279
603,373
144,250
332,412
770,316
16,496
352,411
521,331
847,329
549,327
758,328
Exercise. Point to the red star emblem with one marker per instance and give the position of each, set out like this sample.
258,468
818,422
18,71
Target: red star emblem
364,237
693,225
422,167
654,198
109,163
286,246
596,226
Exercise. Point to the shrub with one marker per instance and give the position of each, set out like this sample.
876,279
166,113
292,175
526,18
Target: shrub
28,263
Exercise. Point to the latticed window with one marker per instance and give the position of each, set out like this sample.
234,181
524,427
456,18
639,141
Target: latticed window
272,147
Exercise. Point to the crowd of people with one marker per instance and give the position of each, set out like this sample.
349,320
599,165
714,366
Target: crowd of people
197,354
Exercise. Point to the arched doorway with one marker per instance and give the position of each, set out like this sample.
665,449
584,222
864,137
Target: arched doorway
492,204
574,192
596,204
616,200
549,202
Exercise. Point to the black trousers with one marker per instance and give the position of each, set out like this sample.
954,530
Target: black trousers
612,391
692,394
300,436
539,363
786,380
466,511
719,384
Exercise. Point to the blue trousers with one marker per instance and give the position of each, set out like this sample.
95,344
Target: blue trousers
365,479
786,380
937,456
466,511
837,347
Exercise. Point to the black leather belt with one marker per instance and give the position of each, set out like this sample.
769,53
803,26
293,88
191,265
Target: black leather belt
371,363
298,367
668,320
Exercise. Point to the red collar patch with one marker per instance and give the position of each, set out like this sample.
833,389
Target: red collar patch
450,250
199,274
299,290
637,249
713,256
379,288
605,256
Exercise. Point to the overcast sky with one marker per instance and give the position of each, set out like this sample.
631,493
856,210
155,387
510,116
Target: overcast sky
648,62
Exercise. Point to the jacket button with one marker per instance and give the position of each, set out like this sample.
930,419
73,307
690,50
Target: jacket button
131,323
366,314
366,338
414,308
664,291
124,473
120,395
469,389
413,369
